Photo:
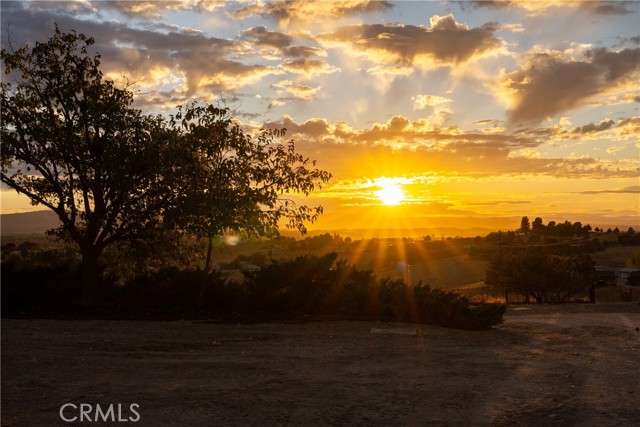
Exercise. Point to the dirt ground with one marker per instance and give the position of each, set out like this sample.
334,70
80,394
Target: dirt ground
571,365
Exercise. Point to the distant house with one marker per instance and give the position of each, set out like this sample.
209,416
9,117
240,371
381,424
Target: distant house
247,267
624,274
605,276
611,276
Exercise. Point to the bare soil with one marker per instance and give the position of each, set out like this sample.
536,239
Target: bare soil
570,365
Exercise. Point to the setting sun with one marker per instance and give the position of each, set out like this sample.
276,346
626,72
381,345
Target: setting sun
390,194
442,116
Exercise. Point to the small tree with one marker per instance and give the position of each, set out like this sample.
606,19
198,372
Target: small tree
525,226
537,226
497,277
71,142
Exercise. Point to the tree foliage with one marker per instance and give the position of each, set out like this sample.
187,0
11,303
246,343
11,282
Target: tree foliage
230,180
540,275
312,285
72,142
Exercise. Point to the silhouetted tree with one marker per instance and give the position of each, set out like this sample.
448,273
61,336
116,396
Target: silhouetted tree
525,226
229,181
537,226
71,142
541,275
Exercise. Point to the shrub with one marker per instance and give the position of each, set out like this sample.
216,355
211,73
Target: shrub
47,282
311,285
39,280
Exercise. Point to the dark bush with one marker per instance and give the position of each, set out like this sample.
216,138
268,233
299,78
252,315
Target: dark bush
39,280
311,285
47,282
296,286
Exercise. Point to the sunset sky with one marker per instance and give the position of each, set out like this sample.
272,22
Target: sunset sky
428,114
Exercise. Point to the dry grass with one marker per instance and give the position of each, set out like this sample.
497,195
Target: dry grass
545,366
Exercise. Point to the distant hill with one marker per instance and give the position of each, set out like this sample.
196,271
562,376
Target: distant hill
28,223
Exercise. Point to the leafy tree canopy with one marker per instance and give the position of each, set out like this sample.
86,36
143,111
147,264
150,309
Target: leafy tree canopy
72,142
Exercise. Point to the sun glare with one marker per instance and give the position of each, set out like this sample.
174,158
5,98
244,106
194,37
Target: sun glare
390,194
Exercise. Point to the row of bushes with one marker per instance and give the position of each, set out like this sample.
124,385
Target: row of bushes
303,287
312,285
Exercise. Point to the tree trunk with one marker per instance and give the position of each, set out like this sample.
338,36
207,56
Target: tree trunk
207,264
205,273
89,275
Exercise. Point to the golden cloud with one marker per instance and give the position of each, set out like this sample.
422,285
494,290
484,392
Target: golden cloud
420,102
309,67
301,12
289,91
401,147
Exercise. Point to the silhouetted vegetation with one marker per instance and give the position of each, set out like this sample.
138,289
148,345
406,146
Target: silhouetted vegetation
140,196
539,275
72,143
304,287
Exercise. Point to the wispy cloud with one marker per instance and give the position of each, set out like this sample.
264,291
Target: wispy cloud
635,189
543,6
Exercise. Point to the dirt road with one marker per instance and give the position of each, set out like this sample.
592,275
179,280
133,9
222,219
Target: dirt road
567,365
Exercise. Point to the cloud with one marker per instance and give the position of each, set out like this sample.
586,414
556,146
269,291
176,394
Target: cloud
420,102
206,65
541,7
549,84
593,127
301,12
446,42
309,67
262,37
439,106
401,147
288,91
634,189
606,7
155,9
500,202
